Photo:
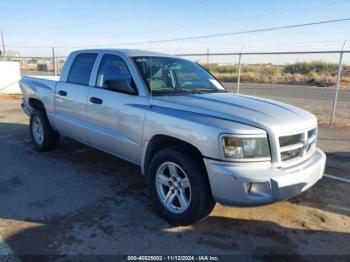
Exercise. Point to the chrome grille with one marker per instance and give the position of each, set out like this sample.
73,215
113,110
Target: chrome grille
289,140
297,146
288,155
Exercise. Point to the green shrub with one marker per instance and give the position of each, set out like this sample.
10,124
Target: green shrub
313,74
307,68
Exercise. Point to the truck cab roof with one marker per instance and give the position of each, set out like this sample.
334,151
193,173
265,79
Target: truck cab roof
127,52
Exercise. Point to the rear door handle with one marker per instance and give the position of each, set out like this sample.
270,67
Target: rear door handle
62,93
96,100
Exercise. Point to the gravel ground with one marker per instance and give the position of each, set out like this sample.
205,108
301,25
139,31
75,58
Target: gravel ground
78,200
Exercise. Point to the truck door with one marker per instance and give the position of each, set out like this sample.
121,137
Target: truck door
71,97
115,119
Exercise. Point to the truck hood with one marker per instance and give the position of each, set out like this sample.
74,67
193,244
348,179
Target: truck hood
272,116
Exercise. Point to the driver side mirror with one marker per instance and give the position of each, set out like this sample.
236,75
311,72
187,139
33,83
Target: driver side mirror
124,86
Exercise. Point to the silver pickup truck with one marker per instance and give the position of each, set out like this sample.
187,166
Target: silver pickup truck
196,143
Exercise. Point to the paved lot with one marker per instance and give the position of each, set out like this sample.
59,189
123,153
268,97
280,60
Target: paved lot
77,200
292,91
318,100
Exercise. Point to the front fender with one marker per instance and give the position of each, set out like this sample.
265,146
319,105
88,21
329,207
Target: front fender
201,131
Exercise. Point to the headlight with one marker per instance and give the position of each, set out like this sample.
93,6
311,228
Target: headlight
246,147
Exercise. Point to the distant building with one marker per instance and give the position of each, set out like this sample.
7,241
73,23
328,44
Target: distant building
11,53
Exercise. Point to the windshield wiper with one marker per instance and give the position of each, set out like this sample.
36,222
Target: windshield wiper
170,91
211,90
203,90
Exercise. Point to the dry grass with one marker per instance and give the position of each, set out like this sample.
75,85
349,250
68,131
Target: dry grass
315,73
291,79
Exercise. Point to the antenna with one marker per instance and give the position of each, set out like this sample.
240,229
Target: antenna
150,80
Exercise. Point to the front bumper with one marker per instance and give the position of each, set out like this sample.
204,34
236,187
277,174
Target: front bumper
253,184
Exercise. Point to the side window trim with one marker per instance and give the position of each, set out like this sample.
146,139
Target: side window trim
91,71
98,71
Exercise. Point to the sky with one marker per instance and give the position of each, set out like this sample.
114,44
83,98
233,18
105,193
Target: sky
33,27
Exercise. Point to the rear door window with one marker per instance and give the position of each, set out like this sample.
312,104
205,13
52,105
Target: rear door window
81,68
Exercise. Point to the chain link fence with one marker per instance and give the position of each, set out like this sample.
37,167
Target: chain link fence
316,81
38,66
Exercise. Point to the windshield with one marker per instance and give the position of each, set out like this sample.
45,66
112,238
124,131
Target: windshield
164,75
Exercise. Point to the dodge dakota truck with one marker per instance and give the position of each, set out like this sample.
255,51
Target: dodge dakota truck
195,143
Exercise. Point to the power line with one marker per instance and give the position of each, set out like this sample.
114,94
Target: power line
273,44
227,34
204,36
250,31
268,53
262,15
227,53
266,14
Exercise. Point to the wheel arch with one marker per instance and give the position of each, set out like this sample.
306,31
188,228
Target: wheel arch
35,103
160,141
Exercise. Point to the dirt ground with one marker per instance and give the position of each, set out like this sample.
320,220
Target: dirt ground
78,200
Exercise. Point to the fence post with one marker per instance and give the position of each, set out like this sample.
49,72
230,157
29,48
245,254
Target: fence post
207,56
3,43
337,86
239,72
54,62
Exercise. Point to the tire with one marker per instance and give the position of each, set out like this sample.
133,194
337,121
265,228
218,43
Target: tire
43,136
200,201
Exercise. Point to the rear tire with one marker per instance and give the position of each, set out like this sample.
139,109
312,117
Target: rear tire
43,136
189,193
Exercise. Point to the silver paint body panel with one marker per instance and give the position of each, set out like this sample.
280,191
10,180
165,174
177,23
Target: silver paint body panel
124,124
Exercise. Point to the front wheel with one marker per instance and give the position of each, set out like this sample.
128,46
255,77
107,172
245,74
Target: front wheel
179,186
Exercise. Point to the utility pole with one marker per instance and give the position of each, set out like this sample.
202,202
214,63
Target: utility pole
3,43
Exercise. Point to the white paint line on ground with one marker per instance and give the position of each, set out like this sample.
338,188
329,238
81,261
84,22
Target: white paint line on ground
337,178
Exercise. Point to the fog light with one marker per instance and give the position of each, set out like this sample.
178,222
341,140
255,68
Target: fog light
259,189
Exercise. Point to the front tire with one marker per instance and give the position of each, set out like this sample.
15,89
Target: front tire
179,186
43,136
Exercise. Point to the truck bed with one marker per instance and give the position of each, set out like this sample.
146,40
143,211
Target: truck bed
38,87
54,78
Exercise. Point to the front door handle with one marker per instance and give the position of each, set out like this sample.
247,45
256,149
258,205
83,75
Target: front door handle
62,93
96,100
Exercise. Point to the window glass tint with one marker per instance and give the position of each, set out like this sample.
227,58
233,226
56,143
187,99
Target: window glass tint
81,69
167,74
112,67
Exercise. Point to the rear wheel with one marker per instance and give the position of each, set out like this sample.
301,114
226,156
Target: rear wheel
179,186
43,136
